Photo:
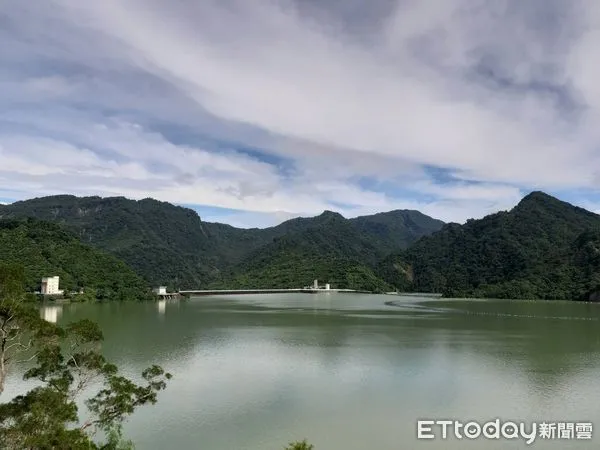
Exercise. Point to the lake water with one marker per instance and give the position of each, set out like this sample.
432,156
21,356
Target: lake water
350,372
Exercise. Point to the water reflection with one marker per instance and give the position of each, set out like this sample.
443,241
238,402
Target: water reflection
51,313
162,305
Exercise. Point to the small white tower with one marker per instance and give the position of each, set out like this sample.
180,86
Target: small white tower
316,284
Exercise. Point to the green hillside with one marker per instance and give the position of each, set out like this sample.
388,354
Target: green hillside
395,230
46,249
163,243
328,248
170,245
543,248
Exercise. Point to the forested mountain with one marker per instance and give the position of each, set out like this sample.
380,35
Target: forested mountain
171,245
46,249
327,247
159,241
165,244
398,229
543,248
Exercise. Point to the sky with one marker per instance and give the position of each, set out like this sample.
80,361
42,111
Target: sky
256,112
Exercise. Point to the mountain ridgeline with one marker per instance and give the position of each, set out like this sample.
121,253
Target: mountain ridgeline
542,249
170,245
161,242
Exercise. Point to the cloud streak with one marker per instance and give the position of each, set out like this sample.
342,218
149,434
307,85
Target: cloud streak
284,107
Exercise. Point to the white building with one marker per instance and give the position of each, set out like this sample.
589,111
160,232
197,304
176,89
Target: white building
161,290
316,284
50,286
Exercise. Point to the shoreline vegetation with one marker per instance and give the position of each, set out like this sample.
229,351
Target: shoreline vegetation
46,249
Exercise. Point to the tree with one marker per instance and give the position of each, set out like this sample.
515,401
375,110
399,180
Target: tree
17,320
67,362
301,445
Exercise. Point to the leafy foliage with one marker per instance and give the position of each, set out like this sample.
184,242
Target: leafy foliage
46,249
66,362
543,248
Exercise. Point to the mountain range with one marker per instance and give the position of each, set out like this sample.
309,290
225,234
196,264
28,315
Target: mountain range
543,248
170,245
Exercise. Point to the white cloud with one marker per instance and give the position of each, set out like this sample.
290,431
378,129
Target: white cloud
498,97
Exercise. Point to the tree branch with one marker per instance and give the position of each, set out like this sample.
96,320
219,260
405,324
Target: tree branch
28,359
19,344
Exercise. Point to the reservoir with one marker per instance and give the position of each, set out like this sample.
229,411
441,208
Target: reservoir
350,371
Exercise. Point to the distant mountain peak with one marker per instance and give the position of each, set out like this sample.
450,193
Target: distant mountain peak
404,211
541,201
537,196
330,214
542,248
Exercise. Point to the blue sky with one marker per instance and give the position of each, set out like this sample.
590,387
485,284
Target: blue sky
256,112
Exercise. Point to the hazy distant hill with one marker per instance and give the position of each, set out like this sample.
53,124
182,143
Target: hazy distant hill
46,249
542,248
171,245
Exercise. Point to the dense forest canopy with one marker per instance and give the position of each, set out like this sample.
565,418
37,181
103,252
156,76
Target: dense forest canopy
331,250
543,248
170,245
47,249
